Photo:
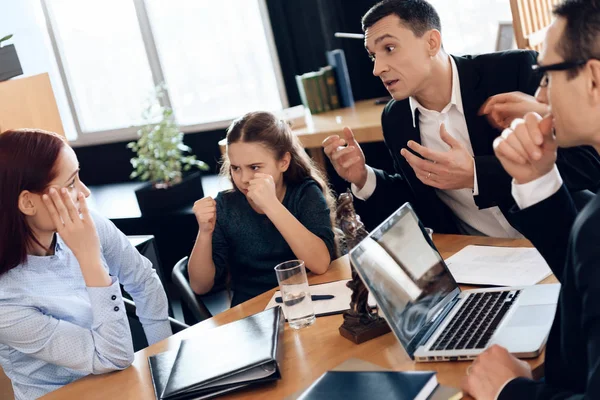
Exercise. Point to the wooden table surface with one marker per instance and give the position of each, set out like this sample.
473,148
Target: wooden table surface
308,353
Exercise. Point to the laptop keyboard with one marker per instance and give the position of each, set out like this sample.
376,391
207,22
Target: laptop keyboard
475,323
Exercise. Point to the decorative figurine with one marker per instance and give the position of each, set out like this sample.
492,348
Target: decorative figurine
360,322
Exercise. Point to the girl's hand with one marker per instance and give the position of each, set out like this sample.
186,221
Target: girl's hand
77,231
262,192
206,214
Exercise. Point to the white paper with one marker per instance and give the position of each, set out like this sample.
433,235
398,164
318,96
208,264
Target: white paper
498,266
339,303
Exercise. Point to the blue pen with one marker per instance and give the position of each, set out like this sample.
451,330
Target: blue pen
314,297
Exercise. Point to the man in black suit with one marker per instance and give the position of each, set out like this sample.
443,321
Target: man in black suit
570,242
449,172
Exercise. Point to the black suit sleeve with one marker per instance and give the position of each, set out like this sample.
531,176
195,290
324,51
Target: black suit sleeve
391,186
583,269
492,179
547,225
493,183
526,389
579,168
391,192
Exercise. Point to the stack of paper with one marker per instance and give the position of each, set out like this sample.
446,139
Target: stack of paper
498,266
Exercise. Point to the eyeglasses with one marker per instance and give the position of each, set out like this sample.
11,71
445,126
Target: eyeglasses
563,66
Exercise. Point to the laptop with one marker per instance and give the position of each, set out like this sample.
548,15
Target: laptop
427,311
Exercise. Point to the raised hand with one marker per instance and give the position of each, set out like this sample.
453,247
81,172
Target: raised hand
446,170
77,231
504,108
205,211
262,192
347,157
527,150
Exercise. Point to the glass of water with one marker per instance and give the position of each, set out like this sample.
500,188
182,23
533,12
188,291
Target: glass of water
293,285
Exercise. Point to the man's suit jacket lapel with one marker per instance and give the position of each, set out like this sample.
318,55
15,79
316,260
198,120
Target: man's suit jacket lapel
473,96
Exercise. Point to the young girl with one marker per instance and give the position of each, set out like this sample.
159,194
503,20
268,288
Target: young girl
61,312
280,209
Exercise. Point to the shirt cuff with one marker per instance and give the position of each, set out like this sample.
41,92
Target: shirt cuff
531,193
368,189
107,303
502,388
475,185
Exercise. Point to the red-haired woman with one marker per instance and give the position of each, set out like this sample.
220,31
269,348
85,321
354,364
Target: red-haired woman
61,312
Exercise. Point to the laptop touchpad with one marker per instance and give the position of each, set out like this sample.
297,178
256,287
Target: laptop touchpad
532,315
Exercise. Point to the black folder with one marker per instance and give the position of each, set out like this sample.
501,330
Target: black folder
221,359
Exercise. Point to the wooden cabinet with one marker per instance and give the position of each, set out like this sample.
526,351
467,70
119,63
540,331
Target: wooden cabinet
29,103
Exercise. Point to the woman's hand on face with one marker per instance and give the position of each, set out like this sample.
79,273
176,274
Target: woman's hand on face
77,231
205,211
262,191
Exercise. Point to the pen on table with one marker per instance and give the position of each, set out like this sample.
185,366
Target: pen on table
457,396
314,297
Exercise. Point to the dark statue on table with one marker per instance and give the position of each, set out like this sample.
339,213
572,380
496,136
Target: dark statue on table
360,322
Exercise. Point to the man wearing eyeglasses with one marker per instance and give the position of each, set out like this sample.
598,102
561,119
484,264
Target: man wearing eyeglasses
441,146
570,242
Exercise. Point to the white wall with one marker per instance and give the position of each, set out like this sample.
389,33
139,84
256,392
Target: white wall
25,19
471,26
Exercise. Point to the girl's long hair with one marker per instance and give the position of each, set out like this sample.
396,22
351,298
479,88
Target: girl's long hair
27,162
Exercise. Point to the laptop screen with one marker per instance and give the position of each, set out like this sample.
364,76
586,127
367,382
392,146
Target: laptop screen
401,267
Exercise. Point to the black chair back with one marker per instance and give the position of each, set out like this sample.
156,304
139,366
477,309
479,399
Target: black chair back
194,303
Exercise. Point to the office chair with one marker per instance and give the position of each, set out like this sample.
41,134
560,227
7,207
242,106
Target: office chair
199,306
137,331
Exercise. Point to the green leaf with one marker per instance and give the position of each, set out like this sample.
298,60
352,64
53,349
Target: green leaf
7,37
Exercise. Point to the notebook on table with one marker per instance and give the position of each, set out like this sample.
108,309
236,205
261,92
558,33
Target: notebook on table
222,359
355,364
350,385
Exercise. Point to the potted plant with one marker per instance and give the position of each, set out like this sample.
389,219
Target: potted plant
161,158
9,60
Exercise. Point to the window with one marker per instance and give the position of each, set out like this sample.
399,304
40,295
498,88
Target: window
219,71
471,26
104,61
216,58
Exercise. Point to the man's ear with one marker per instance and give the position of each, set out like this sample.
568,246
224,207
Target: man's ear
26,204
434,42
284,163
594,83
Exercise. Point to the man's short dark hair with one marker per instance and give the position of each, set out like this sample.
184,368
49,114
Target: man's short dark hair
418,15
581,39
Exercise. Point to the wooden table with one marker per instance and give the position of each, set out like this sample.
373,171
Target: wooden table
308,353
364,118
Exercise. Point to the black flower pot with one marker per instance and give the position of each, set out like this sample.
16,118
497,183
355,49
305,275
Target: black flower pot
162,201
10,66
